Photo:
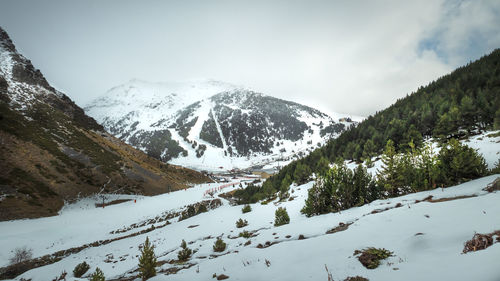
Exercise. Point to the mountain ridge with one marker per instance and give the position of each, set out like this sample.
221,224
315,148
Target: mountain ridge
51,151
236,126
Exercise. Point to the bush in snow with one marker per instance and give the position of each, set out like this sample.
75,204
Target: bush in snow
246,209
80,269
281,217
245,234
147,261
371,257
219,245
241,223
21,254
98,275
185,253
460,163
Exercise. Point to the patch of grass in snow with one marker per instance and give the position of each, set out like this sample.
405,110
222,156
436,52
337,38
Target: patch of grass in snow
371,257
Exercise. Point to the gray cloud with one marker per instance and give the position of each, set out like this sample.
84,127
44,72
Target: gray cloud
345,56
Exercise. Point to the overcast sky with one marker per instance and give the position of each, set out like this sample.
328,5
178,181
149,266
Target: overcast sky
344,56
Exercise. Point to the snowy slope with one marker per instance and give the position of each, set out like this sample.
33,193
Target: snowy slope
189,122
434,255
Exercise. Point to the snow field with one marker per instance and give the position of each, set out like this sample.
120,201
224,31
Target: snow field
435,255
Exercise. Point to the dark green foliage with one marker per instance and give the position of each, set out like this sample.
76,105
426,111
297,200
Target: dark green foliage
496,169
496,123
156,142
185,253
301,174
285,186
281,217
245,234
98,275
209,132
147,261
219,245
246,209
460,163
457,104
339,189
390,177
241,223
371,257
251,194
80,269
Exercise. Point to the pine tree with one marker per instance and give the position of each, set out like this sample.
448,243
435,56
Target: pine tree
322,166
147,261
361,180
302,173
468,113
281,217
390,176
369,149
219,245
98,275
185,253
285,186
496,120
318,199
460,163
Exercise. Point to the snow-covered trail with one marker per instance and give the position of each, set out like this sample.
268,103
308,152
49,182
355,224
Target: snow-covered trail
435,255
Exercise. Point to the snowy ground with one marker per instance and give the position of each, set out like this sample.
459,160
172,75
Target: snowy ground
435,255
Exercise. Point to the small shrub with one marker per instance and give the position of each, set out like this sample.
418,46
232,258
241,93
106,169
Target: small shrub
81,269
246,209
241,223
371,257
98,275
147,261
245,234
21,254
281,217
185,253
219,245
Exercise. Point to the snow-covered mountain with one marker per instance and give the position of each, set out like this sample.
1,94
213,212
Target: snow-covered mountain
207,124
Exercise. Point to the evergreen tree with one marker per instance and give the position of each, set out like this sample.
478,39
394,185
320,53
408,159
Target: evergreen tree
390,177
185,253
361,180
281,217
147,261
98,275
318,198
369,149
340,180
219,245
302,173
468,113
496,121
285,186
460,163
322,166
428,166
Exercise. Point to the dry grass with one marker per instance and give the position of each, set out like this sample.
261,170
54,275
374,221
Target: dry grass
481,241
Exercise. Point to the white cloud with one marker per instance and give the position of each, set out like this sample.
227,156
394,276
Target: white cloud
346,56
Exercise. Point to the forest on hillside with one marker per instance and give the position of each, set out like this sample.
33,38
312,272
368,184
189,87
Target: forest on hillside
460,104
